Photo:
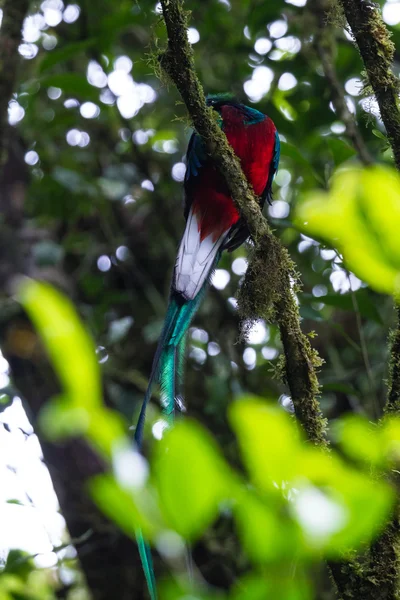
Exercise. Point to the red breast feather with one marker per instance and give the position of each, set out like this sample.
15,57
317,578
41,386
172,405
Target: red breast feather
254,145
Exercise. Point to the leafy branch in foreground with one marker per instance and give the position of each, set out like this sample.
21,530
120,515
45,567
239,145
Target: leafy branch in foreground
350,212
277,506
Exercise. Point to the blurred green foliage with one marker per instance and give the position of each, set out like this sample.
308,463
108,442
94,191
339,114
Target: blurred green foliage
79,410
21,579
296,502
350,218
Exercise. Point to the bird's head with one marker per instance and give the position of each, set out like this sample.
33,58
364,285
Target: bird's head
217,101
246,114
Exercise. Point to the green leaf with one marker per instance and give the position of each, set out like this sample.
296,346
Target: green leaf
79,409
63,417
277,585
340,149
11,587
360,440
5,400
361,218
71,350
282,104
131,510
163,134
61,55
379,135
266,533
330,505
180,588
191,477
300,161
268,441
391,437
19,563
366,306
308,312
72,180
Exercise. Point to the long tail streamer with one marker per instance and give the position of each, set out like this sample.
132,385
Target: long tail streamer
167,369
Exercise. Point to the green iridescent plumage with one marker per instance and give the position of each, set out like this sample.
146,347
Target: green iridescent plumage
147,563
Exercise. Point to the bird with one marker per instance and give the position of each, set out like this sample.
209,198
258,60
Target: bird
213,224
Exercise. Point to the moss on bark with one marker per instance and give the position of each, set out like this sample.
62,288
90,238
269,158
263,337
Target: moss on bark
377,50
393,403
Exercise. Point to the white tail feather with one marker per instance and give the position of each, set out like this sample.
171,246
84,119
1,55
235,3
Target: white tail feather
195,259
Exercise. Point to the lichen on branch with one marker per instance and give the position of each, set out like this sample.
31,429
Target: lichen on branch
267,290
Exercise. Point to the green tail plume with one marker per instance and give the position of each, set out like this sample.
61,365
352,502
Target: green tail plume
167,369
147,564
168,361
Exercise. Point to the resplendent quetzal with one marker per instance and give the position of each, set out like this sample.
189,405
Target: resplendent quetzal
213,224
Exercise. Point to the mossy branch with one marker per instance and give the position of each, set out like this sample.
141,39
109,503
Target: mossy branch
267,289
377,51
393,402
14,12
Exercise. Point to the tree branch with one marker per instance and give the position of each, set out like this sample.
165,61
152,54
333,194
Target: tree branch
393,402
377,50
378,570
325,44
267,290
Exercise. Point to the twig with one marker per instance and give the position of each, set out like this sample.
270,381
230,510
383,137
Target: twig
267,289
14,12
324,44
